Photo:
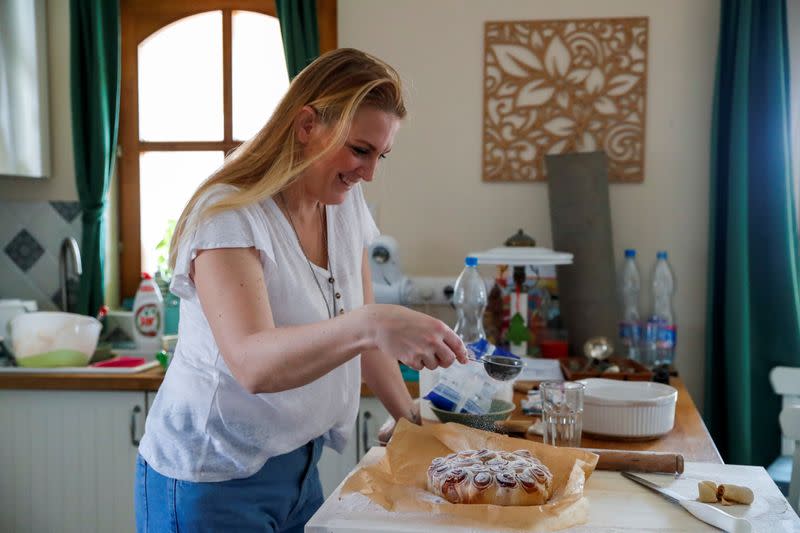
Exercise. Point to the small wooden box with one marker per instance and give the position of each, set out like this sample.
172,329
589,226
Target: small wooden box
575,368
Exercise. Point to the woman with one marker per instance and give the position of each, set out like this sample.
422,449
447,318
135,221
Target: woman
276,306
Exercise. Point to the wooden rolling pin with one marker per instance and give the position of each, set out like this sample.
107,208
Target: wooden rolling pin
631,461
615,460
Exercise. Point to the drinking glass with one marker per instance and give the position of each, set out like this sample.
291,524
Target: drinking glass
562,412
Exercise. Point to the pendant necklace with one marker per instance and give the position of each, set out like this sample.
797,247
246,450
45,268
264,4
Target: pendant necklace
331,309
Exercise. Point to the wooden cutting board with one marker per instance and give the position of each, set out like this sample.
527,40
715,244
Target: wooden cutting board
616,505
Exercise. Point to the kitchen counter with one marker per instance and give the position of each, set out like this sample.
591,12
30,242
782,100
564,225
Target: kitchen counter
617,505
149,380
689,436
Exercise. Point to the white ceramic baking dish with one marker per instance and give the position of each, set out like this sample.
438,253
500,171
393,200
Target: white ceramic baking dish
628,409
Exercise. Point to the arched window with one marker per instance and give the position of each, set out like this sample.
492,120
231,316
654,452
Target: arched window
198,78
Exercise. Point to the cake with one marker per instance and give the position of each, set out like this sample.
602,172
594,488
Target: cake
490,477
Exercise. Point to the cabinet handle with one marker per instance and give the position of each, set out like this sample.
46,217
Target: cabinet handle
365,433
136,411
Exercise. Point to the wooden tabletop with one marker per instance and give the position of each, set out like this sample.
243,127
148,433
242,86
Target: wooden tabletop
689,436
616,505
149,380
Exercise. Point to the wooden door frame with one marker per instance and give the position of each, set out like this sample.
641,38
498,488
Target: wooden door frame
139,20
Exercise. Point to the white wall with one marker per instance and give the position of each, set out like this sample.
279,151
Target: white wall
429,193
61,183
60,186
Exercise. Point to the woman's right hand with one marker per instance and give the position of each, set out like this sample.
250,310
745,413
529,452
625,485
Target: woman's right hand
415,339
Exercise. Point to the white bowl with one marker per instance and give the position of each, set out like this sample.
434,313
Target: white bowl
51,339
628,409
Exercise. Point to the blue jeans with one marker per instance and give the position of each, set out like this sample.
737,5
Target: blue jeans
281,497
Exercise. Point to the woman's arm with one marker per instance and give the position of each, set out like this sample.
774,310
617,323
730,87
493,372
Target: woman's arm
380,372
264,358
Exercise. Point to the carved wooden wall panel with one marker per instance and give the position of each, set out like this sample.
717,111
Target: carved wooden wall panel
561,86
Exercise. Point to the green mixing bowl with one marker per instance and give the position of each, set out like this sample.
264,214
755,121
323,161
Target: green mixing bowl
500,410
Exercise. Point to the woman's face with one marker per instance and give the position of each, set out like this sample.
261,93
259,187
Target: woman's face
370,139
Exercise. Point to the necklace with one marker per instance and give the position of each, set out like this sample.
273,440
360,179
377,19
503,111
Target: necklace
331,309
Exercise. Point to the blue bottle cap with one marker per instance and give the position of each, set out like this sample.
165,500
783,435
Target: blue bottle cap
661,255
630,252
471,261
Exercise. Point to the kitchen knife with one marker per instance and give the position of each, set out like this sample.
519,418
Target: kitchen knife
702,511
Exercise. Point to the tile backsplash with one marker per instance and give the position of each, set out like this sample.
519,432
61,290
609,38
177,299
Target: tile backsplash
30,237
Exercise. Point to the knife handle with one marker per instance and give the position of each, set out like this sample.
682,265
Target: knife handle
716,517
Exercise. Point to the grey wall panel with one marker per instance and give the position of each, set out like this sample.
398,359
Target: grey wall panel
581,223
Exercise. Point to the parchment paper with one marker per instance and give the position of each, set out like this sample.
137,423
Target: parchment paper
398,481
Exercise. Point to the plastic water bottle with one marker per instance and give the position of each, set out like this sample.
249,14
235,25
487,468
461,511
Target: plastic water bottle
630,326
661,332
469,299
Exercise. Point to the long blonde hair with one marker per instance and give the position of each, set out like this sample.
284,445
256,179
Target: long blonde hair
335,85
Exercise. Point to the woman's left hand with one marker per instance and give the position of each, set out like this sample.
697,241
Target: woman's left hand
387,429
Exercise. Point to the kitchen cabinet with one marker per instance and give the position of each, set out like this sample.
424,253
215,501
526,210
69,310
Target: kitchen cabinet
334,467
68,445
371,416
67,459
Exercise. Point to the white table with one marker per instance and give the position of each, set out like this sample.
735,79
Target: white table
616,505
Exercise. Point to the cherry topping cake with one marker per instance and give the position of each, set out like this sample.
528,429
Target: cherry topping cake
490,477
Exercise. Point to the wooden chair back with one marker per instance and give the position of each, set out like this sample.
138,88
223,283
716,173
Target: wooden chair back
790,426
786,382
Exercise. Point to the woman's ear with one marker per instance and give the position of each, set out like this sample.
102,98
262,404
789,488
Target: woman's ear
304,124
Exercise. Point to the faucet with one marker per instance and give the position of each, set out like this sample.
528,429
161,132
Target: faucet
69,256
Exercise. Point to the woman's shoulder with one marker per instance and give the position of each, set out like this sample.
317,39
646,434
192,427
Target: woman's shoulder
219,192
214,193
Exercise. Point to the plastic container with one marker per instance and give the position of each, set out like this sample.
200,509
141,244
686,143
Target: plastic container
459,378
121,361
53,339
469,299
630,325
553,343
148,316
172,312
661,331
463,389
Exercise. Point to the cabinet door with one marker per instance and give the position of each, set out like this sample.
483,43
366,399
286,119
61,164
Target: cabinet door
371,416
67,460
333,467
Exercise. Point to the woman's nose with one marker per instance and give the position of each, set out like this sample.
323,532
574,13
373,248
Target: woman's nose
367,171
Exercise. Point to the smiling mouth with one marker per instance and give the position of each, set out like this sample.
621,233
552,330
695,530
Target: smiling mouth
346,182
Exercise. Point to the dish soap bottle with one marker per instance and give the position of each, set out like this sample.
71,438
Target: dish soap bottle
148,316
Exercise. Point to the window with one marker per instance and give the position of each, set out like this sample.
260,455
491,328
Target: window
198,78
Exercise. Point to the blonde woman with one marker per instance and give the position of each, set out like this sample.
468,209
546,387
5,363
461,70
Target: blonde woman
276,306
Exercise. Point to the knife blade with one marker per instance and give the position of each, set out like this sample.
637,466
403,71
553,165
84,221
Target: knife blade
702,511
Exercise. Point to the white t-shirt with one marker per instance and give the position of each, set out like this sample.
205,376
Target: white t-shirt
203,425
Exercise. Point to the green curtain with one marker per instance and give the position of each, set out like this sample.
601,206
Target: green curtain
753,315
95,87
300,33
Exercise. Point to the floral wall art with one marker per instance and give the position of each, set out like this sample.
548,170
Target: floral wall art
563,86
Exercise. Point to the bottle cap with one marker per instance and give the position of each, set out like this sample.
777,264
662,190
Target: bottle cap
471,261
630,252
661,254
146,275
